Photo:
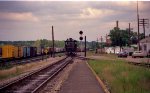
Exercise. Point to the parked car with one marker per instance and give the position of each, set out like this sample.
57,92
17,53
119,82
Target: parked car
122,54
139,54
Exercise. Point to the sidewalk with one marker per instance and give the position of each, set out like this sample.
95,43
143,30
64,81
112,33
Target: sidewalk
81,80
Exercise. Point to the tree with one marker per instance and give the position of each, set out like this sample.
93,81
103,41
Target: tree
119,37
124,37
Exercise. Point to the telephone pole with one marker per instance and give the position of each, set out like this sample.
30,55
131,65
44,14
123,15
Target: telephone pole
53,41
129,35
101,43
144,22
117,24
85,47
138,26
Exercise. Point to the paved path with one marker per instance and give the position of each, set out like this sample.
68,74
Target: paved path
81,80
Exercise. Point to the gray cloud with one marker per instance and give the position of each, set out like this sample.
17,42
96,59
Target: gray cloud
33,20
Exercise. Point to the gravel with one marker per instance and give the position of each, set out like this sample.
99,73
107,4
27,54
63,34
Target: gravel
54,85
49,61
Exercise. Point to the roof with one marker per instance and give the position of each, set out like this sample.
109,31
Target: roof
145,40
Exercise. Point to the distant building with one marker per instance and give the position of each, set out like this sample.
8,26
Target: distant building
145,45
113,50
117,49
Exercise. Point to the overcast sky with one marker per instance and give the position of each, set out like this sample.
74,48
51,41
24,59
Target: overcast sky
33,20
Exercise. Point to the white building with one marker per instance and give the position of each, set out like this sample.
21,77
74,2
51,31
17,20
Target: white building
145,45
116,49
113,50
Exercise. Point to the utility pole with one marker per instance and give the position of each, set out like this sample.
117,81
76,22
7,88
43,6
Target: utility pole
117,24
85,47
143,22
120,39
138,26
53,42
129,35
101,43
96,46
106,40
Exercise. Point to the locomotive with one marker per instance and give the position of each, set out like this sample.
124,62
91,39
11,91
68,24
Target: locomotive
71,47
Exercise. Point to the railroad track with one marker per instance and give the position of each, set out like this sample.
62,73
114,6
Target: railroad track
33,82
23,61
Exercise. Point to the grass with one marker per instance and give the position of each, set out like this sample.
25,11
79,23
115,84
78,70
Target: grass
3,67
12,71
20,69
122,77
92,53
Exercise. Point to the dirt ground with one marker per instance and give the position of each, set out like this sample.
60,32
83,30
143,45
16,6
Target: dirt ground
100,57
138,60
128,59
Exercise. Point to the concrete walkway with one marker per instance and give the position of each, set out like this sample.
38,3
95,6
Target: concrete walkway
81,80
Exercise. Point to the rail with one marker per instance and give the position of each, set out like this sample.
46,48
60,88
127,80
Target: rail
36,80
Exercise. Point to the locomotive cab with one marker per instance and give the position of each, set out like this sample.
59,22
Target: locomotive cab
70,47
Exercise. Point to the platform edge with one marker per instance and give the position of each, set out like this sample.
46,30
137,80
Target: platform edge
98,79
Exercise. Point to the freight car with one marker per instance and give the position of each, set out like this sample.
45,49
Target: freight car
18,52
24,52
0,52
59,50
7,52
39,51
56,50
70,47
29,52
10,52
33,51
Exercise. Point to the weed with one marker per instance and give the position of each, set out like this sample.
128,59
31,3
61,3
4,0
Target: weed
122,77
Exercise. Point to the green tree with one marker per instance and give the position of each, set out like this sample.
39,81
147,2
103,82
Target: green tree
119,37
124,37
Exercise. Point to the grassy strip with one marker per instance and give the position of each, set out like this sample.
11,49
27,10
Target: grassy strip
20,69
122,77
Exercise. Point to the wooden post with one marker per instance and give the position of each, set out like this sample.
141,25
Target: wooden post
53,42
85,47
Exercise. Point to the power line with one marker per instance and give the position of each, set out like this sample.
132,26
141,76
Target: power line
144,22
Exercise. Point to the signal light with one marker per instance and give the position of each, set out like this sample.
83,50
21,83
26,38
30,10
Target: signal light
81,32
81,38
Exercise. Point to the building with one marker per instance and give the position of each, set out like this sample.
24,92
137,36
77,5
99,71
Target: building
113,50
145,45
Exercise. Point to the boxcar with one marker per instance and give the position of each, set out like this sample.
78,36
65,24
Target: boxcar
7,51
39,50
33,51
18,52
51,50
24,52
28,52
0,52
